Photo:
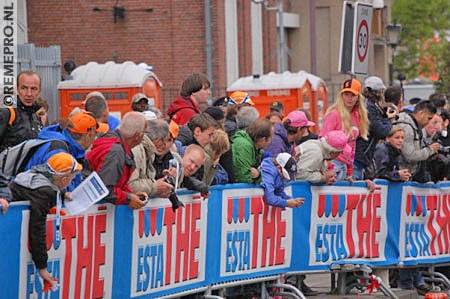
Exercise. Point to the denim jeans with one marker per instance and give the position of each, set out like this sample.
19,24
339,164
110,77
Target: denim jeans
409,277
358,173
340,169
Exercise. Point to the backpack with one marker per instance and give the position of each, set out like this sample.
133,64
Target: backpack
13,160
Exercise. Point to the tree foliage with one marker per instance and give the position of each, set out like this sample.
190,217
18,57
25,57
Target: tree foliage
423,49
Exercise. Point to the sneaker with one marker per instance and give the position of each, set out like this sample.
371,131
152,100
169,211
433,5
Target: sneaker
423,289
307,291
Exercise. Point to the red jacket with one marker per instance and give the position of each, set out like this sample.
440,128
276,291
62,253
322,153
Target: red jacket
182,109
112,159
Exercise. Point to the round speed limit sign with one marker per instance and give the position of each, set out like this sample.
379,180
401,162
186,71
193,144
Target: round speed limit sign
362,43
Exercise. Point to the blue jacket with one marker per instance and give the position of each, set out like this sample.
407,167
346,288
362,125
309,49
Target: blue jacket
113,122
49,149
279,143
273,184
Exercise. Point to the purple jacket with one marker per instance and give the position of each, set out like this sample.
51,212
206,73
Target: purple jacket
279,143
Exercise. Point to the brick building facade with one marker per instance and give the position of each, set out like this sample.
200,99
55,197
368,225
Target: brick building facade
172,37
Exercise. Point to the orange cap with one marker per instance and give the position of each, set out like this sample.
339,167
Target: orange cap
63,163
173,129
102,128
352,86
83,123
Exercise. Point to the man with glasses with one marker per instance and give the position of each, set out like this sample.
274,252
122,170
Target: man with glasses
112,159
21,123
153,144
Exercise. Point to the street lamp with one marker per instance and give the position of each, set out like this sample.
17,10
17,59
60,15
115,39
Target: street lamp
393,39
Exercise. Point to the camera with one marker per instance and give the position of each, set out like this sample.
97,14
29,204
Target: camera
444,150
143,198
176,203
388,109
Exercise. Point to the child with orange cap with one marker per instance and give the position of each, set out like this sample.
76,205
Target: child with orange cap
42,186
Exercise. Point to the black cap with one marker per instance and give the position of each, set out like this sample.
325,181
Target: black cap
414,101
276,106
215,112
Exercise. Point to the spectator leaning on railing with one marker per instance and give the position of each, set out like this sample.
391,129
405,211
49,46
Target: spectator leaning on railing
112,159
248,147
314,156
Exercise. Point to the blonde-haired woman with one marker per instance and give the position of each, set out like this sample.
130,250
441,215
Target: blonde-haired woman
348,114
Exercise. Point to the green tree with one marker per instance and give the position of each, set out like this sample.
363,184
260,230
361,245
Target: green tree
443,84
423,48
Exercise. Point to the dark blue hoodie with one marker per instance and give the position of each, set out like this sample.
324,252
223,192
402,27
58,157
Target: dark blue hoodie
49,149
279,143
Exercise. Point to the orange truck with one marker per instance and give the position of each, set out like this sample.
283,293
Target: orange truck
293,90
118,82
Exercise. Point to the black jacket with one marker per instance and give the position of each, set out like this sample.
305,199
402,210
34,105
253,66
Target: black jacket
386,159
26,125
41,200
379,128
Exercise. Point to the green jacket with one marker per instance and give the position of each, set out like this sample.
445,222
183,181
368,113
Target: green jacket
245,156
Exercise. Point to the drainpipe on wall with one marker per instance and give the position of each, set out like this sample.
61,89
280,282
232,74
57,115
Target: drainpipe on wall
209,45
312,34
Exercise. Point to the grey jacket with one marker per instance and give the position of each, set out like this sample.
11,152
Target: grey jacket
311,164
414,148
143,177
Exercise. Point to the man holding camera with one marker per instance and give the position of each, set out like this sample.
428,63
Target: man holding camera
415,151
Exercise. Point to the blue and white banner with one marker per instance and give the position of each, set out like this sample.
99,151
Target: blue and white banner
115,252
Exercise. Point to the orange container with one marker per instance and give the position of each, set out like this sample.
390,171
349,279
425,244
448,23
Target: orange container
293,90
118,82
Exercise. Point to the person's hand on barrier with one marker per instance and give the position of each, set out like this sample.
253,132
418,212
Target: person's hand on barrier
404,174
45,275
163,189
330,177
135,200
371,186
295,202
435,147
349,179
254,173
4,204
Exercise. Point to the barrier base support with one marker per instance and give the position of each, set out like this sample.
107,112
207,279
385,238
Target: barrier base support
294,292
436,279
352,276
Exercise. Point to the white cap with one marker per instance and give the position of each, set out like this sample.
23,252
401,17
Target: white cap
149,115
288,165
374,83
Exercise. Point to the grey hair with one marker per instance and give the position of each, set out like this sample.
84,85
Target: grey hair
95,94
246,116
157,129
133,122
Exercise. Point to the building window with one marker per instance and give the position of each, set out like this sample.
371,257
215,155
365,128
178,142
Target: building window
77,96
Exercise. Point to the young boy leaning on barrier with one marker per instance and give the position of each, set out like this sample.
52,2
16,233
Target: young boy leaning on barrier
43,186
275,172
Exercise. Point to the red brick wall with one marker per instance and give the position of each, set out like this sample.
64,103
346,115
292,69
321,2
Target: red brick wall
171,38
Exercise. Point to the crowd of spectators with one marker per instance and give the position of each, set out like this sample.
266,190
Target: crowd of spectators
366,134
